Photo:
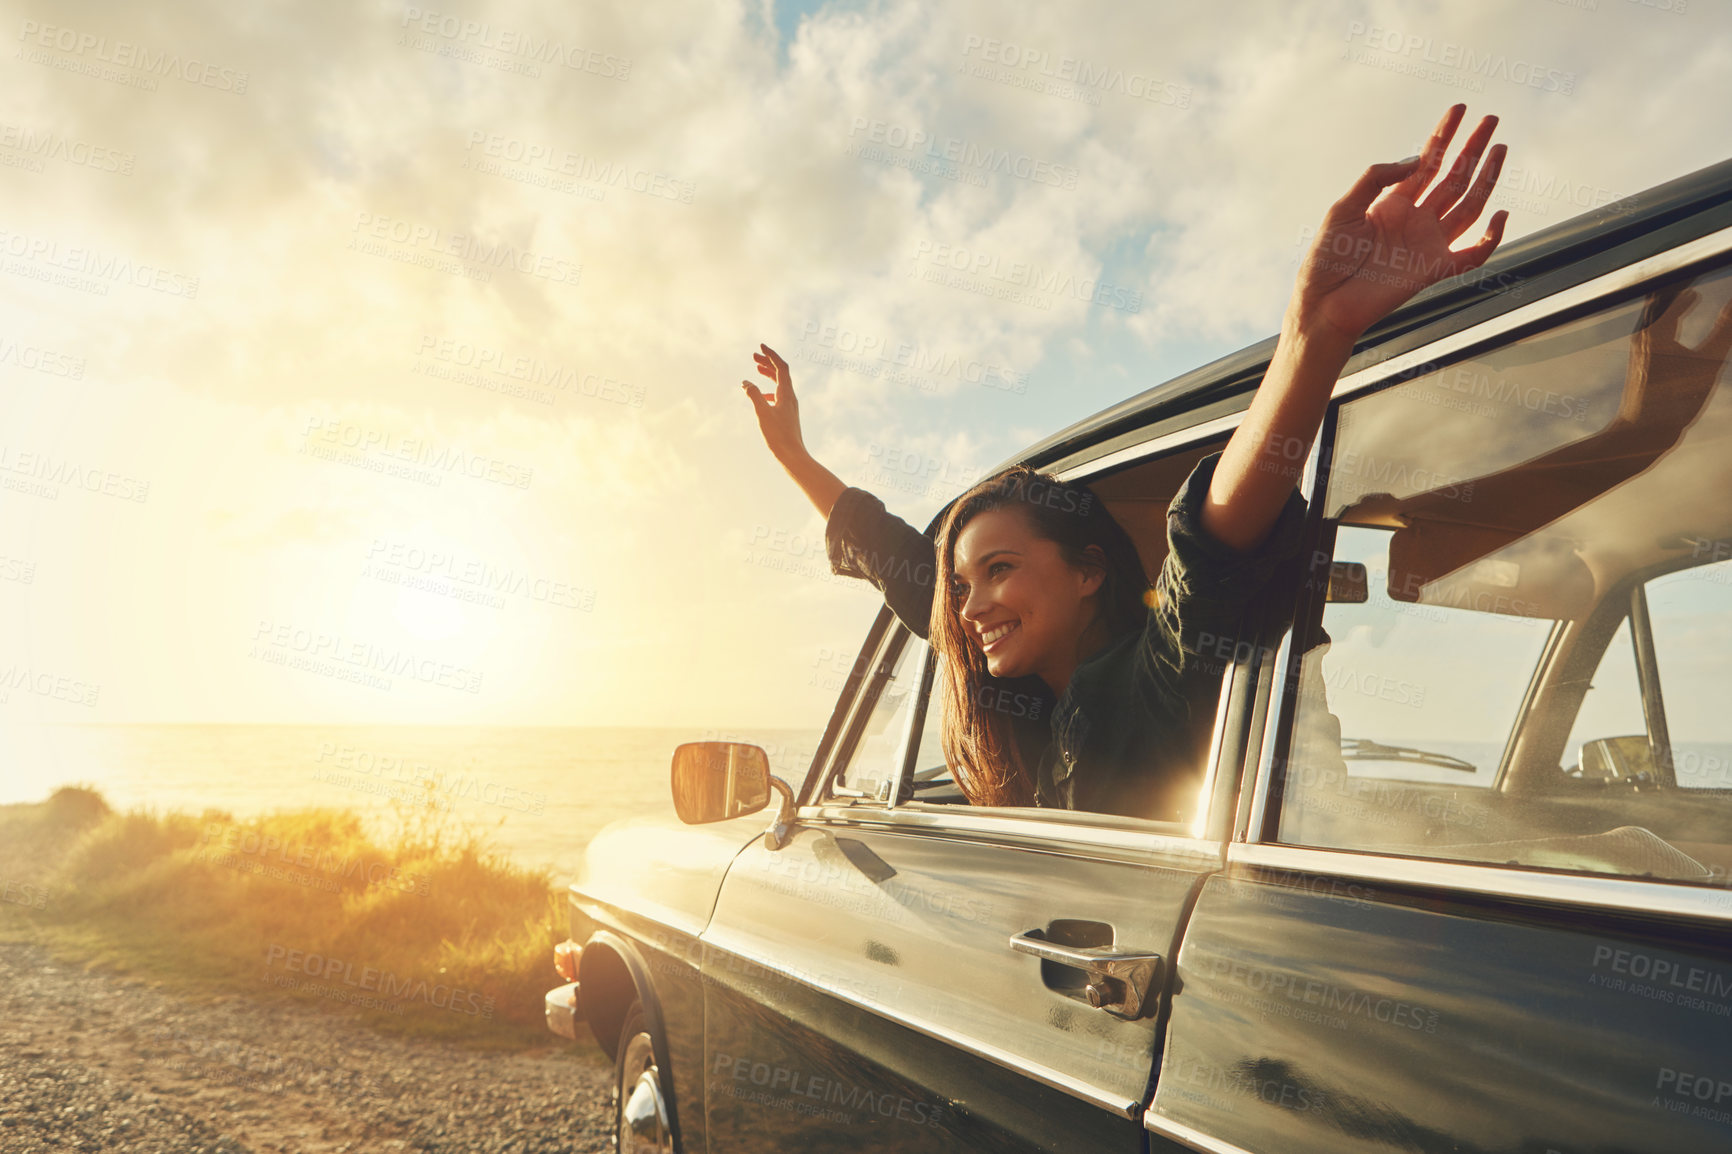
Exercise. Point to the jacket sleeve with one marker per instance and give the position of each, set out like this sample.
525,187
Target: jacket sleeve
1206,588
863,539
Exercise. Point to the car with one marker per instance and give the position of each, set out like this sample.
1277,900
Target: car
1457,877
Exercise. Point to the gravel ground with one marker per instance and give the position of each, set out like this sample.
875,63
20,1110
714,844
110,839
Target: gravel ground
92,1061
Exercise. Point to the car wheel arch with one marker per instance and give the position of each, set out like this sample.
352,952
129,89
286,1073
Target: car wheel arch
612,974
621,977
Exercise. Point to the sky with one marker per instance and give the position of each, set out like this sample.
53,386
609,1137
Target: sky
416,331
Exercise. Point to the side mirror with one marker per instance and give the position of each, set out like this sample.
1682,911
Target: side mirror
720,780
1348,584
1624,759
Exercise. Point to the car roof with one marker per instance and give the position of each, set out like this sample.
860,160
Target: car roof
1525,270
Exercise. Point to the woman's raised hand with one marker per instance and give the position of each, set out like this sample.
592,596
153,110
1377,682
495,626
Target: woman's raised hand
779,421
1370,258
779,412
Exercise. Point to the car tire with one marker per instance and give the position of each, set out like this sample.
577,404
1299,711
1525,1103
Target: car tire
640,1117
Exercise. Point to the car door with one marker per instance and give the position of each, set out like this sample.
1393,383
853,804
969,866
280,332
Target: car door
863,990
1476,901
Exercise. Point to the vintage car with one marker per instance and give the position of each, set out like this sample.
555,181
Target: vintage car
1457,878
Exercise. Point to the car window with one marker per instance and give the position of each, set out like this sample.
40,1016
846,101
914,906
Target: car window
874,765
1612,704
1138,495
1529,518
1691,612
931,780
1380,673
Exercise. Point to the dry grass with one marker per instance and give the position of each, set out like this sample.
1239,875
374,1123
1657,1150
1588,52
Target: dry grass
425,931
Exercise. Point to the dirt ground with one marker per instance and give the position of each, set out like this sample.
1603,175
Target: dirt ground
93,1061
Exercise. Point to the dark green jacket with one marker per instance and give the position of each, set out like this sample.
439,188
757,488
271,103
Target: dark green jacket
1131,732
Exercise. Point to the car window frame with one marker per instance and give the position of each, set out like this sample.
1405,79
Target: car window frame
867,679
1205,835
1252,842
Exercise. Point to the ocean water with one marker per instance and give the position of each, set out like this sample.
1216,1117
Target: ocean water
539,793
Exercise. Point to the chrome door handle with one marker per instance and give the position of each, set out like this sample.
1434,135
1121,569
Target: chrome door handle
1121,982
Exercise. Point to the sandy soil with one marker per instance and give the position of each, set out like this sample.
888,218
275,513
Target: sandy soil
92,1061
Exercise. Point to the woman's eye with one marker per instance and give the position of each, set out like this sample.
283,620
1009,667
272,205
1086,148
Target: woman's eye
992,570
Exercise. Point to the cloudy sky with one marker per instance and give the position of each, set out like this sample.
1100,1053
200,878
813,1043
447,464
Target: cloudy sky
417,331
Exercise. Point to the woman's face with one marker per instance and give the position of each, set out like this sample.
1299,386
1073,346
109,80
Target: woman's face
1021,603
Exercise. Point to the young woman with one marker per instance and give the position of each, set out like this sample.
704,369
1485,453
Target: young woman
1043,593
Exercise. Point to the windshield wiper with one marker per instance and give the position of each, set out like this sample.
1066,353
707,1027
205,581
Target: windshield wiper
1364,749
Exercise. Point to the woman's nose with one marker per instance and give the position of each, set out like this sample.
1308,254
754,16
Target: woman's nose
976,605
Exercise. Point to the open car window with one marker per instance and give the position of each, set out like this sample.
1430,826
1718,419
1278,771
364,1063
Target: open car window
1138,496
1535,523
878,725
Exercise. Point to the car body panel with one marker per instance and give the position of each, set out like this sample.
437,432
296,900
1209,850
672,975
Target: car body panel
866,956
654,884
1318,1016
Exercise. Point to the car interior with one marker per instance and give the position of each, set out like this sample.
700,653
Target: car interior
1610,546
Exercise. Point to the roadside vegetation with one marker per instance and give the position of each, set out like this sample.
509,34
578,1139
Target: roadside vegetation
425,930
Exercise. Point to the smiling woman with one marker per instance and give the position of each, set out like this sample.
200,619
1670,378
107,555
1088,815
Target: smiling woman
1044,591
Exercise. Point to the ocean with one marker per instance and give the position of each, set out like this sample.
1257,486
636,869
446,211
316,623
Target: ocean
539,793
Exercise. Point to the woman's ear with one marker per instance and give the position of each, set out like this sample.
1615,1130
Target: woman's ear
1094,570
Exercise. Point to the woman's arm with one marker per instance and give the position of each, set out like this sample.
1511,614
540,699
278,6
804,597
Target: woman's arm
779,421
861,538
1367,260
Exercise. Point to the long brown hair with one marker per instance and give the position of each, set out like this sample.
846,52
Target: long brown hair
979,741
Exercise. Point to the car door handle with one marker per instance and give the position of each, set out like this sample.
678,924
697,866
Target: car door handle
1121,982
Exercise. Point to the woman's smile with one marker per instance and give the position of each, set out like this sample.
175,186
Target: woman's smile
990,638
